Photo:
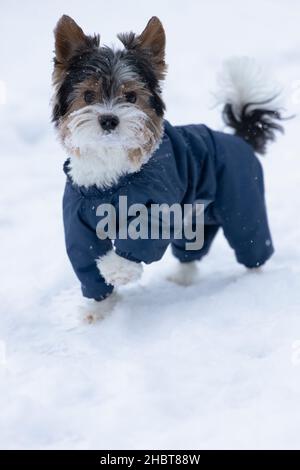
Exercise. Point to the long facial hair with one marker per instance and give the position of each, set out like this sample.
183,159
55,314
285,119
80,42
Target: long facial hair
96,155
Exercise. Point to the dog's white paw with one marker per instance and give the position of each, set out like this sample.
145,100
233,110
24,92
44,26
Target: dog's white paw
256,270
118,271
93,311
185,274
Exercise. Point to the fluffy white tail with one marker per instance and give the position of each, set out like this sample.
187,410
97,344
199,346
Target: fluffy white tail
252,102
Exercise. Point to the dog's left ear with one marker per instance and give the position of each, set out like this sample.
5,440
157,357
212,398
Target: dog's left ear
152,40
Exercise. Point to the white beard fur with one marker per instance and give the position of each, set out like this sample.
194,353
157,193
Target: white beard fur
98,158
101,170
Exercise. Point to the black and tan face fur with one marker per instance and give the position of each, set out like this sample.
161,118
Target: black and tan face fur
107,103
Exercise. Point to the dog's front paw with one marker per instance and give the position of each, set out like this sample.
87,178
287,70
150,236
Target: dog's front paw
93,311
118,271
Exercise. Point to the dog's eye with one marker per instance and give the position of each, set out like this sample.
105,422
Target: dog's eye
130,96
89,96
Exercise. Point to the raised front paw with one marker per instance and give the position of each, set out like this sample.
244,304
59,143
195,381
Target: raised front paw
118,271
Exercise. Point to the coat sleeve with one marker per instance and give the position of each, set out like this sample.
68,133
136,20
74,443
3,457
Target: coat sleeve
140,250
84,247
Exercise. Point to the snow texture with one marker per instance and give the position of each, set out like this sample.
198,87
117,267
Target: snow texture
213,365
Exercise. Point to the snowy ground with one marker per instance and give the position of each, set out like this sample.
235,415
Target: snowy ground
216,365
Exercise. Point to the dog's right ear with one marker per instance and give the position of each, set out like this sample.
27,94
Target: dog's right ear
70,39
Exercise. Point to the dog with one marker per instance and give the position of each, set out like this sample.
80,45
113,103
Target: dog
108,111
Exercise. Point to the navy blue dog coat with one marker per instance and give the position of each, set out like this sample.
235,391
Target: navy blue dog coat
192,163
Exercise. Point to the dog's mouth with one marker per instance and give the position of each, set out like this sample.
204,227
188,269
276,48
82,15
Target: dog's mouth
99,129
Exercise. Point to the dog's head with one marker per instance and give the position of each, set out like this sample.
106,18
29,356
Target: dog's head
109,101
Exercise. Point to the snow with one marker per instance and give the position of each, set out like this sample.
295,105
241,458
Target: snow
214,365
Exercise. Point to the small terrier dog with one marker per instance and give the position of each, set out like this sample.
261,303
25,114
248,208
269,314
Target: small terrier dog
109,114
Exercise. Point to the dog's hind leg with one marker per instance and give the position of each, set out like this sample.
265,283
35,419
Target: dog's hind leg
240,203
186,272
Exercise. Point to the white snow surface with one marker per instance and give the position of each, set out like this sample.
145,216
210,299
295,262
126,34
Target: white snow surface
213,365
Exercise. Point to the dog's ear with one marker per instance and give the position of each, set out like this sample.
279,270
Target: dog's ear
152,39
70,39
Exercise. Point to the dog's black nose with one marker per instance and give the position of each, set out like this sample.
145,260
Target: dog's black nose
108,122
